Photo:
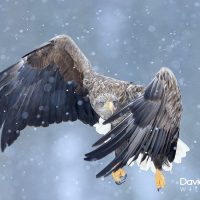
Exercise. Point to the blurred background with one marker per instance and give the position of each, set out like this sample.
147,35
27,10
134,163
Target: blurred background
128,40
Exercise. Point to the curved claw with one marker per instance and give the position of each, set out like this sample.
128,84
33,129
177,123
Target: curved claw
123,179
119,176
160,180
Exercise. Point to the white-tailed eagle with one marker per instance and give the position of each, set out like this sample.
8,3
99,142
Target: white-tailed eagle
56,83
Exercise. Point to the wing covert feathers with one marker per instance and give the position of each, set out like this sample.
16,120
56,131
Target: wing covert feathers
151,128
46,86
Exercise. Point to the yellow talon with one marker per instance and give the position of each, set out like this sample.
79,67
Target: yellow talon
119,176
160,180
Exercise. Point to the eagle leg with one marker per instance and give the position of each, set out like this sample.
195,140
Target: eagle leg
119,176
160,180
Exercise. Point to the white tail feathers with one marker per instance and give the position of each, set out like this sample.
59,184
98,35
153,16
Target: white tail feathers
101,128
147,164
167,167
144,165
181,151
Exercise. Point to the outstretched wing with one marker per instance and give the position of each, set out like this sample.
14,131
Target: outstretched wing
46,86
151,126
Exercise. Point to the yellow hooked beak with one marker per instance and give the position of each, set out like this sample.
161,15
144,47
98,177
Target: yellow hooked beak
109,106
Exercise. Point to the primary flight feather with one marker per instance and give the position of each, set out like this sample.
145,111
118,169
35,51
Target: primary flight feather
148,132
56,83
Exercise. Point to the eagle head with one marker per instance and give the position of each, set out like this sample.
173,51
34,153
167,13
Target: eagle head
105,105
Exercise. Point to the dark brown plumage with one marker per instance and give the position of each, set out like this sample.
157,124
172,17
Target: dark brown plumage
45,87
151,126
56,83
